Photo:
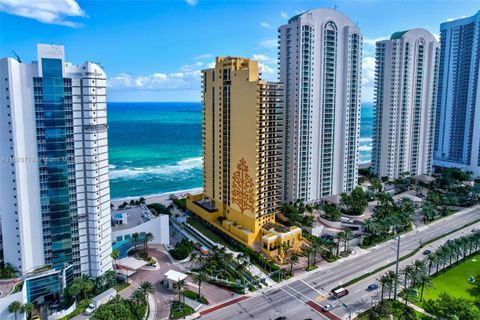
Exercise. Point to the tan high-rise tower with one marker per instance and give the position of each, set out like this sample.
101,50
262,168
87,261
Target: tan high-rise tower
242,151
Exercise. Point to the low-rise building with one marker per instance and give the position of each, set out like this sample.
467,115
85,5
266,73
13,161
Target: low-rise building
139,219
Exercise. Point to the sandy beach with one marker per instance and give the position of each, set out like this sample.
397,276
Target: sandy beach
162,198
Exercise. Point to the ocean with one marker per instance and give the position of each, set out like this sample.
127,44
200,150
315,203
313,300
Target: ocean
155,147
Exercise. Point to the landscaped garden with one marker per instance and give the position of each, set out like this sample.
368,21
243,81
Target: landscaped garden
445,283
456,281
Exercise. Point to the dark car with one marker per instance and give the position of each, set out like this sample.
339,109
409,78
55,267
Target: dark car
427,252
372,287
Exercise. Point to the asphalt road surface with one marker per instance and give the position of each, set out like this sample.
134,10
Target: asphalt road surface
302,297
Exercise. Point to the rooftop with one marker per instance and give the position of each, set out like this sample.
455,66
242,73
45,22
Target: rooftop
134,216
176,276
398,35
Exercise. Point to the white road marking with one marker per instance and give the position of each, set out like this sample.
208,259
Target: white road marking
292,295
308,298
312,287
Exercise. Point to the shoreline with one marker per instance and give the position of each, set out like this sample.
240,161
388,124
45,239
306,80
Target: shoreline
162,198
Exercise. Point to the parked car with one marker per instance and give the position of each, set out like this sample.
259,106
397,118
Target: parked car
345,219
372,287
327,307
427,252
340,292
328,237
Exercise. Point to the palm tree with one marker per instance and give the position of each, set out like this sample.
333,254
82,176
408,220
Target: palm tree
384,283
199,278
348,234
284,247
425,282
179,286
308,251
293,260
432,259
115,255
14,308
418,269
28,309
408,272
134,241
146,288
137,297
146,239
339,237
197,258
315,247
393,282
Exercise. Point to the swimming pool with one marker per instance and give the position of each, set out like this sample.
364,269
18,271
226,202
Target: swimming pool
122,246
118,216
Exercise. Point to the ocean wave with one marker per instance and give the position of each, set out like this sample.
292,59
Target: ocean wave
165,170
111,166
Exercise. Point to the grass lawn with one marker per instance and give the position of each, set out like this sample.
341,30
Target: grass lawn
122,286
455,282
396,308
179,310
201,227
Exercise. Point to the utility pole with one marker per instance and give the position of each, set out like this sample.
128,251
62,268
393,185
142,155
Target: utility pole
396,269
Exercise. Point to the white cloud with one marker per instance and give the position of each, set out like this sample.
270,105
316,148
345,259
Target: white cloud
192,2
204,56
187,78
372,41
264,58
265,24
46,11
268,73
191,67
269,43
284,15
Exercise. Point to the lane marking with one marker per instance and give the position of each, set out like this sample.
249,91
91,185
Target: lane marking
321,293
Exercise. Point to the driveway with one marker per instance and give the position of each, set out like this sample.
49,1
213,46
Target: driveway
164,296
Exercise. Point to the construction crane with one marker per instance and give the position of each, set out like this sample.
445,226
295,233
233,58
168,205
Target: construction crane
17,57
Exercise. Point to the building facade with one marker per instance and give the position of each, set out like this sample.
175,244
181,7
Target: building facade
457,135
320,63
406,75
54,196
242,153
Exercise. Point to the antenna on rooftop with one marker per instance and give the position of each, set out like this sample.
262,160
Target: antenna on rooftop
335,7
17,56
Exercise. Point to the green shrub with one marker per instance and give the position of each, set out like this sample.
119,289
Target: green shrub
158,209
182,249
181,203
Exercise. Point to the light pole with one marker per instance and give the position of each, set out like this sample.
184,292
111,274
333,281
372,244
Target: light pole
396,269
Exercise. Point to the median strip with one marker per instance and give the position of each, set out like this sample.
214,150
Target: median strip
223,305
411,254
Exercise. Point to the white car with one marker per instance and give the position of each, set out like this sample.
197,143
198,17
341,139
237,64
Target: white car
328,307
90,309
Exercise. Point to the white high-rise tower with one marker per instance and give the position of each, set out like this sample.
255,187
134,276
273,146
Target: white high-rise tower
405,99
457,134
54,195
320,65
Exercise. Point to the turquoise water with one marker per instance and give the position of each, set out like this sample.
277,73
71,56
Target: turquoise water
156,147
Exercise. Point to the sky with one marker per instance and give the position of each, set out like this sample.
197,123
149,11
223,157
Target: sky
154,50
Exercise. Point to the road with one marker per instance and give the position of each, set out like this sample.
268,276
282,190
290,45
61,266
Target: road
298,297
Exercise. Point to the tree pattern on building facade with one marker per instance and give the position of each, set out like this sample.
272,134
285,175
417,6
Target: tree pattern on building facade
242,187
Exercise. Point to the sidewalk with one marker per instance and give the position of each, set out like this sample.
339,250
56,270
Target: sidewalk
415,307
